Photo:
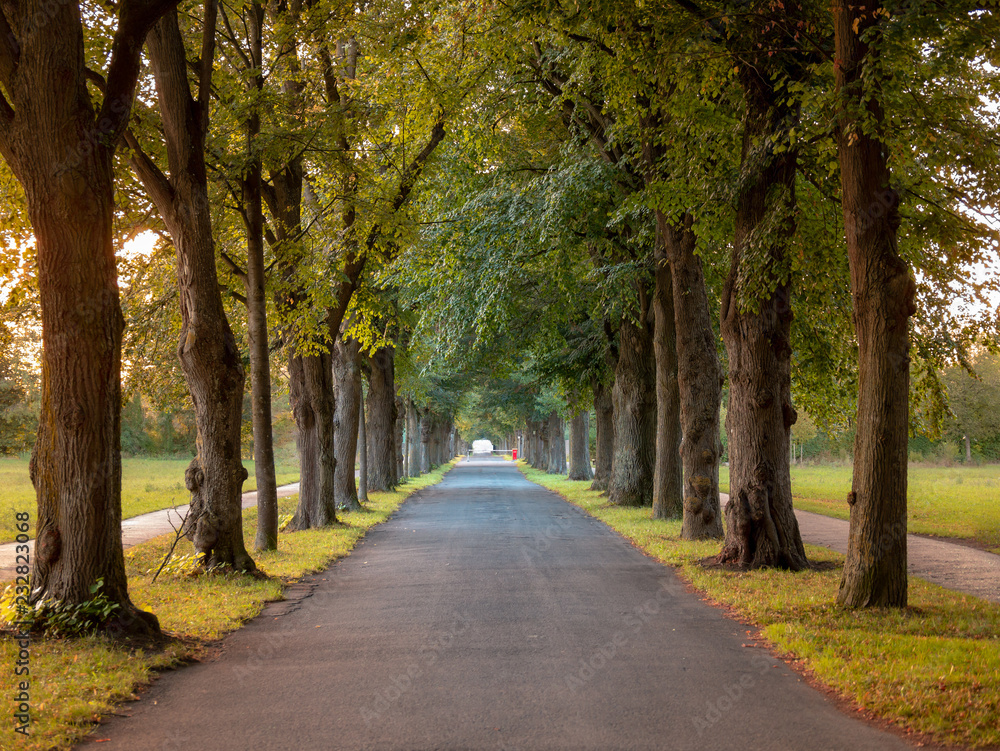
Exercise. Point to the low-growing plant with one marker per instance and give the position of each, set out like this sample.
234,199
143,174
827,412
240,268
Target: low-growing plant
58,618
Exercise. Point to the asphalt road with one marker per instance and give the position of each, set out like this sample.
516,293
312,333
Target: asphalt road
488,613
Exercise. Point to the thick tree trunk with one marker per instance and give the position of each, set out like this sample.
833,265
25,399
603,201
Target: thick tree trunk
362,452
579,446
260,357
761,529
380,421
347,387
634,395
699,381
61,150
413,438
208,353
557,445
883,291
604,417
542,457
399,448
310,388
667,474
426,431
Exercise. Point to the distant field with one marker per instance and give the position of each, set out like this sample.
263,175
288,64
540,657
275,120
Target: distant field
147,485
959,502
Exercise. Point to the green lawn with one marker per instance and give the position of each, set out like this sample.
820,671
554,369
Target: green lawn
959,502
147,485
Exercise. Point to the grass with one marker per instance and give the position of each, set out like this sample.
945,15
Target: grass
75,681
931,668
961,502
148,484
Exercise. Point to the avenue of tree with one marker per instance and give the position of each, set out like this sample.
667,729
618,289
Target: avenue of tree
428,220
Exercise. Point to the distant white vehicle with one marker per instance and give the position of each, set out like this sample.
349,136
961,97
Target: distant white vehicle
482,447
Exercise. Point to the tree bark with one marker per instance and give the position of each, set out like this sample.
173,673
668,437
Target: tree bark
260,357
413,438
399,448
667,472
61,150
883,290
542,456
604,416
208,353
347,387
761,529
310,388
426,431
557,445
362,452
579,447
699,381
380,421
634,396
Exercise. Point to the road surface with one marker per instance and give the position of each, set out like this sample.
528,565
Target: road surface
489,614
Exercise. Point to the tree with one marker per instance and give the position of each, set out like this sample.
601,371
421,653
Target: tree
884,290
347,382
974,399
208,353
60,143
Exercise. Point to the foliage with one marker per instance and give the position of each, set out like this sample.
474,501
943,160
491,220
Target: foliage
55,618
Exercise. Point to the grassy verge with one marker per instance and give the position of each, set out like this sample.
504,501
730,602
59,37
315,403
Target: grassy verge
74,681
932,668
148,484
945,501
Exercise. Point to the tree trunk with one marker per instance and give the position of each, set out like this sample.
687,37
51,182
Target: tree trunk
260,358
761,529
399,448
883,291
310,388
557,445
380,421
634,396
542,457
604,417
413,438
426,431
699,381
667,473
61,150
362,452
208,353
968,448
347,387
579,446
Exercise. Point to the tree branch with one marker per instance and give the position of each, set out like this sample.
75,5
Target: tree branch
234,267
136,18
207,60
152,178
